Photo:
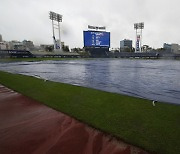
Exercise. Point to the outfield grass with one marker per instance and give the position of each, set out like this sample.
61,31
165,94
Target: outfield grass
134,120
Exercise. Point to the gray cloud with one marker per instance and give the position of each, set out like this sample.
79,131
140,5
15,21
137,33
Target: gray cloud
24,19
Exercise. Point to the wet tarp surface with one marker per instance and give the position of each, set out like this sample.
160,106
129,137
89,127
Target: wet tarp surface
27,126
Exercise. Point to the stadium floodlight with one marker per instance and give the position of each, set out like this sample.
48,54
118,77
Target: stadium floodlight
52,15
141,25
136,26
59,18
138,43
56,17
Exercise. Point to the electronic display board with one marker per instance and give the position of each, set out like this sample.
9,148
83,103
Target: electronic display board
96,39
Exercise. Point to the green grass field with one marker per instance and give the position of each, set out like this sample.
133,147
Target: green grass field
134,120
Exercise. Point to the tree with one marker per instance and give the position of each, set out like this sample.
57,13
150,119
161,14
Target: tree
65,48
49,48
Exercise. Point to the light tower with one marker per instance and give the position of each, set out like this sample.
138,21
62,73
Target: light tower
138,27
58,18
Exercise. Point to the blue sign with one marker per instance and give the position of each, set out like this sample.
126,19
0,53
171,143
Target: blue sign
96,39
137,42
137,45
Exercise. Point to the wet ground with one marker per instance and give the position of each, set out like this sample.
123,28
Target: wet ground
27,126
152,79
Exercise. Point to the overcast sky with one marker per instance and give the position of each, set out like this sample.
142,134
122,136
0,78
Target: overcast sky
28,19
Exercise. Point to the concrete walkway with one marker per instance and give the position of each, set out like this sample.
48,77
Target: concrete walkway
27,126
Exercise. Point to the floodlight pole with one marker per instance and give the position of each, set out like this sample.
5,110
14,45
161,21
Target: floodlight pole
136,29
138,35
53,34
59,36
58,18
141,27
136,42
141,41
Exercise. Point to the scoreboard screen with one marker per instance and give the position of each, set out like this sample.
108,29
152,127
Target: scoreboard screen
96,39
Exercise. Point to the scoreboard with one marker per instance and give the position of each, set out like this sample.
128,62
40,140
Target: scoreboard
96,39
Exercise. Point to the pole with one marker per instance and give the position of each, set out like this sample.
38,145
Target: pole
53,35
141,40
59,37
136,42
